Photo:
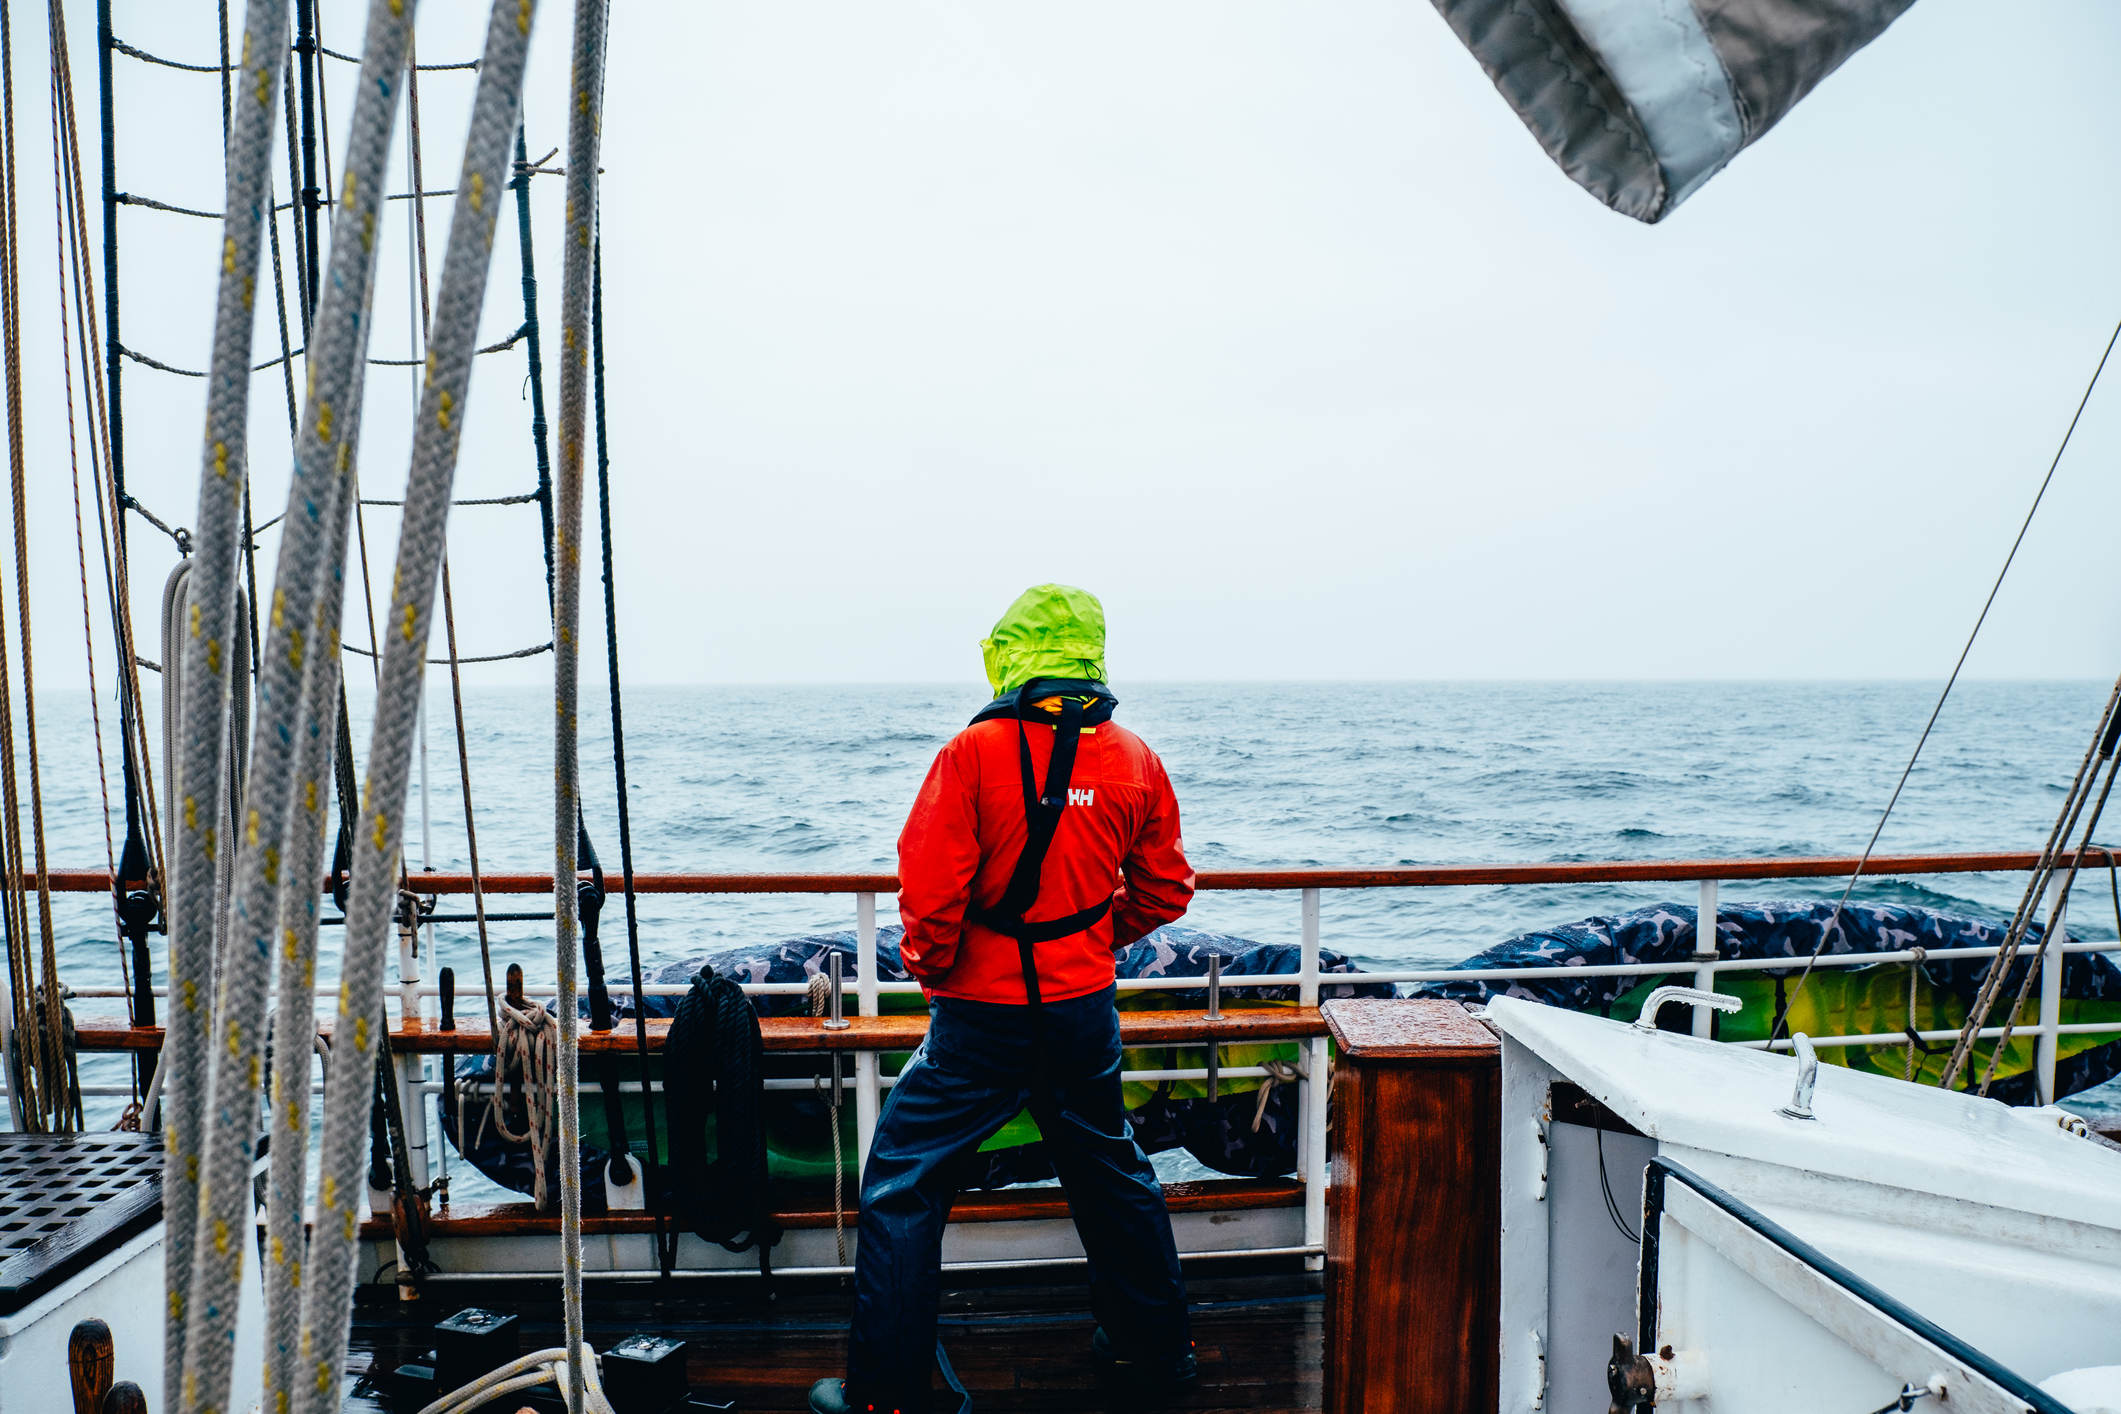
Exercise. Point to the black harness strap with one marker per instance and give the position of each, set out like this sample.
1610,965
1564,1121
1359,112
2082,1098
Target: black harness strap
1042,817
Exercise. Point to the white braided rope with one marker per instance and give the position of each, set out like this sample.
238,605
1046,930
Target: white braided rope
529,1040
312,551
199,771
294,1021
329,1276
585,111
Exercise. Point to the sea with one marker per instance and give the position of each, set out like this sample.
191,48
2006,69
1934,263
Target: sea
1268,775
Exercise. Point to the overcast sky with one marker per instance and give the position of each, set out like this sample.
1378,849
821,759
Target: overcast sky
1265,321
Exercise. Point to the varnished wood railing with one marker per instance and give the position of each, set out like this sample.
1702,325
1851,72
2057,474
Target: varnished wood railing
1420,876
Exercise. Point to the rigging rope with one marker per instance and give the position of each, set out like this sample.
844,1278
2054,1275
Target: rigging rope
61,123
584,119
43,1017
328,1287
295,691
1833,923
2099,755
199,771
653,1191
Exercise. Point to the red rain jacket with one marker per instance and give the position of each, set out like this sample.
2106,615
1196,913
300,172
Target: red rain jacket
1118,838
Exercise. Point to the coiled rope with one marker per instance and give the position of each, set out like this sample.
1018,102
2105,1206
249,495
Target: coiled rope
528,1042
328,1283
543,1367
585,111
199,770
820,997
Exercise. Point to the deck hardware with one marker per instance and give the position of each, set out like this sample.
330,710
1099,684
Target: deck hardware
1692,996
90,1361
1215,1013
1800,1105
1629,1377
835,1014
472,1342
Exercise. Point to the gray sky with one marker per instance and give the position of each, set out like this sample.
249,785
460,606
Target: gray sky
1265,321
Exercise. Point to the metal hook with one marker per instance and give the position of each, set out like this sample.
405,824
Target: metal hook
1692,996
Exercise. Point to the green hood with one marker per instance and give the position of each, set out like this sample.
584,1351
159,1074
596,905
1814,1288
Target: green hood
1051,631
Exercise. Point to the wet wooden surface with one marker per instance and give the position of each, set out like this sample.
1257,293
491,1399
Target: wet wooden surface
1017,1347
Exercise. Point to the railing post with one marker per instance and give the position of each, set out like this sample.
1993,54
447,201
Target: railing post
7,1053
866,1073
411,1069
1705,957
1311,1098
2047,1049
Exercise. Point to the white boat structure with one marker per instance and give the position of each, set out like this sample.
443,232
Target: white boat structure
1526,1210
1805,1236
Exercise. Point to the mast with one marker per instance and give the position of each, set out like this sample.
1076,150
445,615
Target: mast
530,342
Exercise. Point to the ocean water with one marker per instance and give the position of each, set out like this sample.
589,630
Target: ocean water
811,778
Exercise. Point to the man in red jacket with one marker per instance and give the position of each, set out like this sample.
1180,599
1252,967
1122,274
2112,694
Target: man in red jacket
1044,841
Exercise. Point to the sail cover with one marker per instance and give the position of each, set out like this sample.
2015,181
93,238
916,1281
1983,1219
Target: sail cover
1642,101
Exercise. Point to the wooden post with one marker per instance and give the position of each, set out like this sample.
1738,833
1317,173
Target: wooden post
124,1398
1414,1227
92,1363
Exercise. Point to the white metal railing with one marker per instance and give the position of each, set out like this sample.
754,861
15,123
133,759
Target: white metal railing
868,1080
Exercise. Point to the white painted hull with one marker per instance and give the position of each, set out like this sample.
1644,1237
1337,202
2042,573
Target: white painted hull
126,1290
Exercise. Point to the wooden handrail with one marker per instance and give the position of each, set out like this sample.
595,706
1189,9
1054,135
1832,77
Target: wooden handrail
1237,1026
1213,1195
1420,876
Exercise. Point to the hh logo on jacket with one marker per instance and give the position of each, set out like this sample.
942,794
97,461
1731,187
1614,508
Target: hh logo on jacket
1080,797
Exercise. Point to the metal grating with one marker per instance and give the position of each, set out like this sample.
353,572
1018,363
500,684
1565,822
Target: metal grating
68,1199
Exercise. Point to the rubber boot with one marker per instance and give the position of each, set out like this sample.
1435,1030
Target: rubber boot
1139,1376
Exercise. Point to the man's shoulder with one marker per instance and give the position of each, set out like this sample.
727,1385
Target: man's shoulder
999,734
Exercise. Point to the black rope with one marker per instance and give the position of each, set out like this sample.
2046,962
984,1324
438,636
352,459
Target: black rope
461,64
664,1255
523,499
132,52
530,652
138,899
521,184
148,361
126,198
306,54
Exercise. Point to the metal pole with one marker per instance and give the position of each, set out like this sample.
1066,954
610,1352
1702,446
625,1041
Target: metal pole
1307,974
1705,957
866,1064
7,1049
2047,1048
1311,1097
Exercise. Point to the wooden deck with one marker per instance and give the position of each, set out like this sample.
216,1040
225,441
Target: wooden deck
1017,1347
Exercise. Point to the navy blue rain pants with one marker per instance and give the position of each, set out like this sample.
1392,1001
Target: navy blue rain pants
979,1066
